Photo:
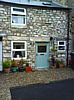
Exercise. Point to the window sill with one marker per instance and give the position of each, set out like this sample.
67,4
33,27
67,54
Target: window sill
18,26
61,51
18,58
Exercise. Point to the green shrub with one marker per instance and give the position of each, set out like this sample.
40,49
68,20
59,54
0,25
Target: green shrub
6,63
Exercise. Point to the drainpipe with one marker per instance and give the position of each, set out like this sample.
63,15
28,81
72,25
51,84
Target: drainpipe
68,38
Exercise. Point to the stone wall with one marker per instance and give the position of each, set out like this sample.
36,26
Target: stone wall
41,23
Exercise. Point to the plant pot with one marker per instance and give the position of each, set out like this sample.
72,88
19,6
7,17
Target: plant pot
21,69
61,65
14,69
7,70
28,69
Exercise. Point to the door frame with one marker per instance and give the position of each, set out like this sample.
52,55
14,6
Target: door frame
1,54
46,42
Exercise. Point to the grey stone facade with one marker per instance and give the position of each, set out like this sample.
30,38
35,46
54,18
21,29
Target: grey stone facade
40,26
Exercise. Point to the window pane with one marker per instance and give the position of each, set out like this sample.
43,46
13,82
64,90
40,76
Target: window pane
61,43
18,45
18,19
41,49
61,47
18,54
18,10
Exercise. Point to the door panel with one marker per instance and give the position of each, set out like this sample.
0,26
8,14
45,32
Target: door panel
42,54
1,56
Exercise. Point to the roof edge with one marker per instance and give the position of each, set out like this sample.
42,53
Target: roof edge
59,7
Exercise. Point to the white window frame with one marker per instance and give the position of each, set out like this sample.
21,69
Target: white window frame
25,49
18,13
61,45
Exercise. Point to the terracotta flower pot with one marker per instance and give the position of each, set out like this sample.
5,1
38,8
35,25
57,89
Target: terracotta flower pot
7,70
61,65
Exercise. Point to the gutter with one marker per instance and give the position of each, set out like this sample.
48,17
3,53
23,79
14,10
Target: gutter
37,5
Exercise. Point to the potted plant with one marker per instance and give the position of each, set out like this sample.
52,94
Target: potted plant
21,65
14,66
28,68
60,64
53,60
53,49
6,65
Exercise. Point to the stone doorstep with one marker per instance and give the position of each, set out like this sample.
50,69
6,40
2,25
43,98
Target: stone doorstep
40,69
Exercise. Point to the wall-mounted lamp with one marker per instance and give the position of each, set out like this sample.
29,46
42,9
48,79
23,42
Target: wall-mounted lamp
51,38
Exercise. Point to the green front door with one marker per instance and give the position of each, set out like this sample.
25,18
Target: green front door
42,54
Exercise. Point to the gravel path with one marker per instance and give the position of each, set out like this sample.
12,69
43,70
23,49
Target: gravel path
8,80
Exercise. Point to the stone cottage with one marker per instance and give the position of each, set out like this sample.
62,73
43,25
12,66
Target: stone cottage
29,30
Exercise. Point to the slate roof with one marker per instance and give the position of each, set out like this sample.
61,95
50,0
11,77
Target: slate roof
52,5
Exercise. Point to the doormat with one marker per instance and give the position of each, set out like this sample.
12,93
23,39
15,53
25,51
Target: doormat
61,90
